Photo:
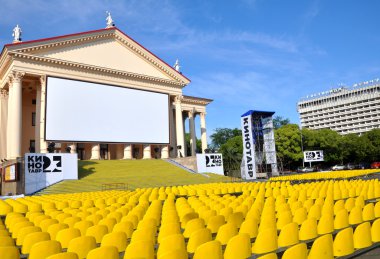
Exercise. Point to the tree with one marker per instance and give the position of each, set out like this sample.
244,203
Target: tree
374,150
279,121
232,152
222,135
198,147
288,145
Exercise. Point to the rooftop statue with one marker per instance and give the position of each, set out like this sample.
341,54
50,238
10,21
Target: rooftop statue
17,34
109,20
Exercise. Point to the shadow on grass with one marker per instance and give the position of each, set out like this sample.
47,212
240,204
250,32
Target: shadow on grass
84,172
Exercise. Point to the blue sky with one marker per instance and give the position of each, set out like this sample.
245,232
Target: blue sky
248,54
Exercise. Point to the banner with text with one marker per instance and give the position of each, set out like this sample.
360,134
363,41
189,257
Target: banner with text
42,170
249,168
210,163
313,156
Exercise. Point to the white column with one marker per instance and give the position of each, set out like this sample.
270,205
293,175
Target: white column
9,119
203,132
127,151
193,139
147,153
95,151
184,148
179,124
73,148
3,123
165,152
43,144
173,142
15,125
38,117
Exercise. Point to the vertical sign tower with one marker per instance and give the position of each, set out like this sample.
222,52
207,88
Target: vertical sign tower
259,149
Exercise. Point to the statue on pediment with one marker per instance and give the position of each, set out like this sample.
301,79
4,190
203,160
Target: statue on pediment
17,34
109,20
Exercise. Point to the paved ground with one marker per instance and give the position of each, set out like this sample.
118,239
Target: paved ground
375,253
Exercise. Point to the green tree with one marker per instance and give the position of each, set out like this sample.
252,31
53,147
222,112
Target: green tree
232,152
288,145
198,147
222,135
279,121
374,150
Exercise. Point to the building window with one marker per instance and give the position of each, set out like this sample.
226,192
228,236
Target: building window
34,101
33,119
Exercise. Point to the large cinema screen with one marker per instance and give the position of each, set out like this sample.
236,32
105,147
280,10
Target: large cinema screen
78,111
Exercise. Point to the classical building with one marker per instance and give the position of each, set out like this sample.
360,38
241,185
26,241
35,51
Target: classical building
354,109
106,56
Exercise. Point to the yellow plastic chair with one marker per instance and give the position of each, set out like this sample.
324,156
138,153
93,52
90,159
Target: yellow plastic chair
139,249
288,235
167,230
322,248
284,218
226,232
236,218
269,256
44,249
308,230
108,222
9,252
377,210
32,239
97,231
375,231
82,245
300,215
362,236
314,212
368,212
326,224
341,219
192,226
24,232
197,238
238,247
83,226
55,228
215,222
344,242
355,216
116,239
146,234
109,252
65,235
266,241
172,242
250,227
17,228
65,255
126,227
209,250
298,251
6,241
187,217
5,233
71,221
46,223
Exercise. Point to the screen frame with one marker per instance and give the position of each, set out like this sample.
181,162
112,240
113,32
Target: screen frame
108,142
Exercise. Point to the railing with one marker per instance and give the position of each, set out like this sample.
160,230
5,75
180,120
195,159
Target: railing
114,186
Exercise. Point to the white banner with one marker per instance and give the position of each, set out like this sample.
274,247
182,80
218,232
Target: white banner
210,163
248,148
313,156
42,170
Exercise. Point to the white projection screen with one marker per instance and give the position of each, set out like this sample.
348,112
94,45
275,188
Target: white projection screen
78,111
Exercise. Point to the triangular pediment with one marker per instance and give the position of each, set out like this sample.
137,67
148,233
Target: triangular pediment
107,53
107,48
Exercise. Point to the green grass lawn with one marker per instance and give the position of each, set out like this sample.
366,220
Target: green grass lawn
134,173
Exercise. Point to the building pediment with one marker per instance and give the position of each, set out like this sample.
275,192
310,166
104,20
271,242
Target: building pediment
110,49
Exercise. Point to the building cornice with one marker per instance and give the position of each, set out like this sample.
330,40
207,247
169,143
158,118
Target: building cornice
94,69
195,100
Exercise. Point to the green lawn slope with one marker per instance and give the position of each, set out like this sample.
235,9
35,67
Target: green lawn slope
134,173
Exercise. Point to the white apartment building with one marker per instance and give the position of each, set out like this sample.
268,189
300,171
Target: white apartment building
354,109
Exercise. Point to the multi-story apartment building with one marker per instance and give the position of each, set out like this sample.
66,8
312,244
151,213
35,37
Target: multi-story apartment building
354,109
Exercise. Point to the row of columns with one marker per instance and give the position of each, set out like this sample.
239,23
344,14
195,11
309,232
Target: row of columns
180,132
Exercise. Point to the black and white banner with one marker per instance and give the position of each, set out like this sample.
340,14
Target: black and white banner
42,170
210,163
249,171
313,156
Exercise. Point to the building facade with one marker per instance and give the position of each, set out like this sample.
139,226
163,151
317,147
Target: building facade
105,56
354,109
